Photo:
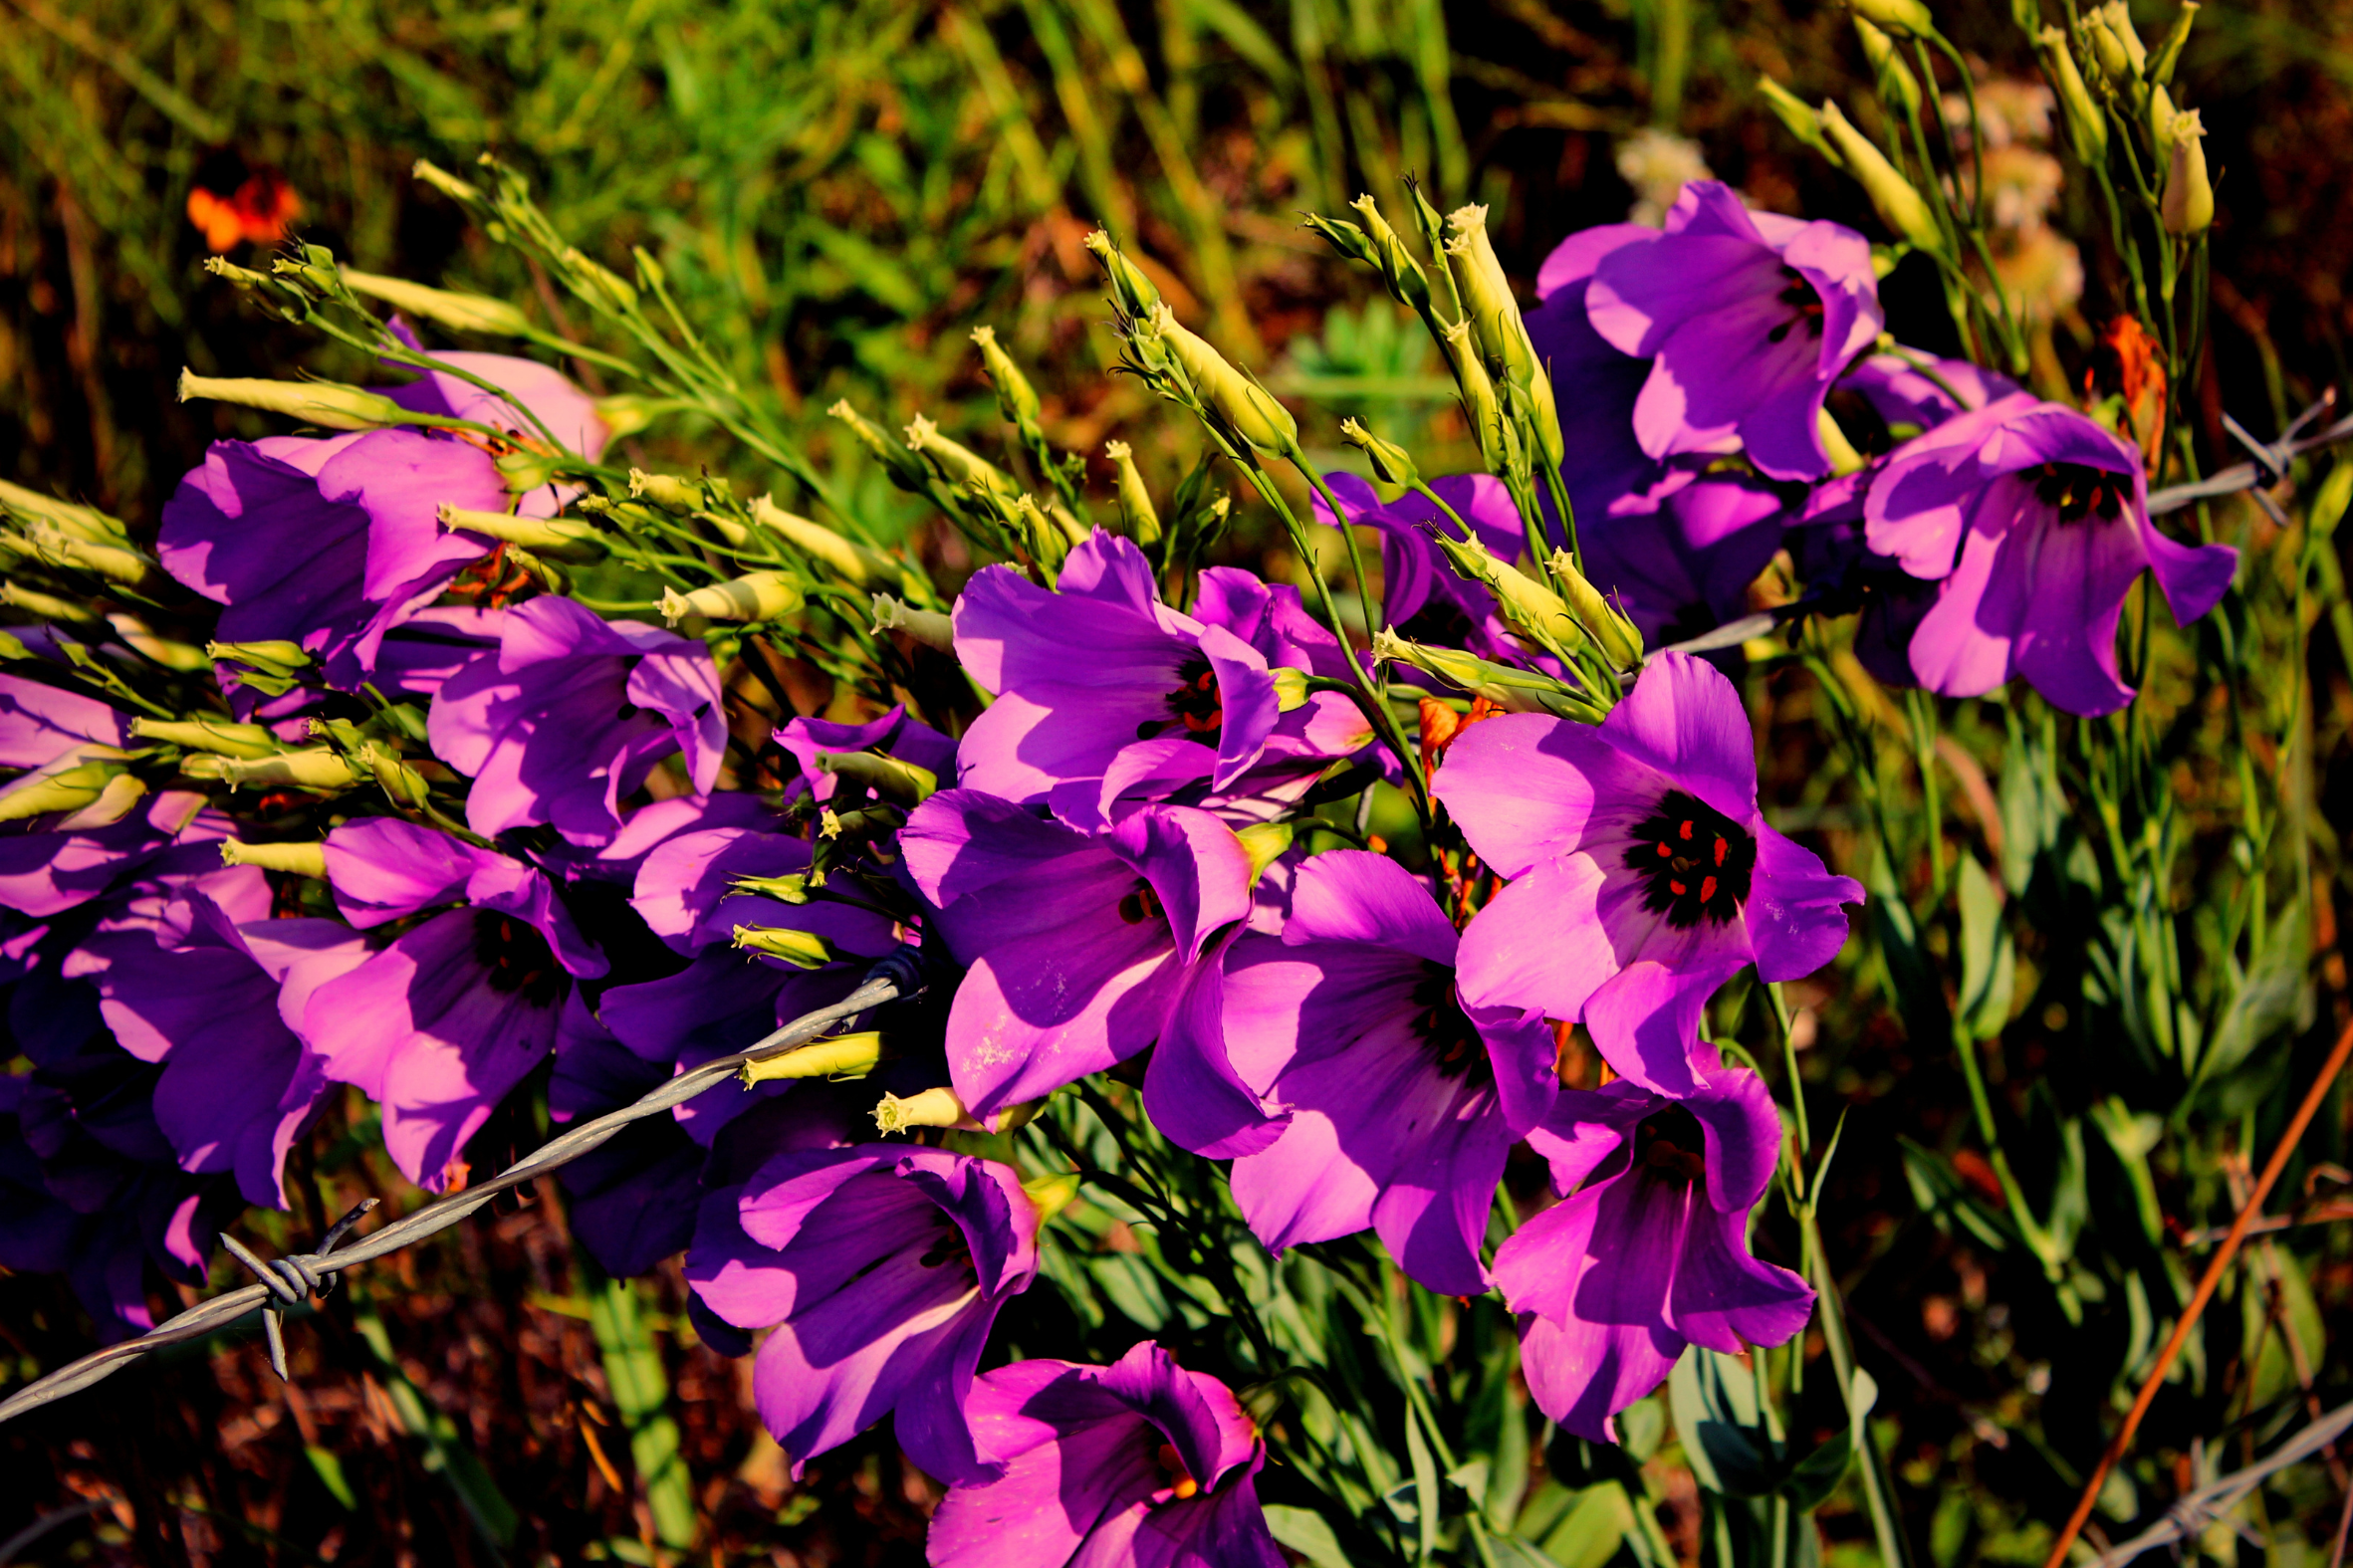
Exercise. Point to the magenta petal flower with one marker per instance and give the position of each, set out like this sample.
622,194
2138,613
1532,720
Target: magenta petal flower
238,1084
1423,597
548,394
1139,1461
1641,873
882,1267
570,714
894,734
1079,949
1648,1251
1402,1103
1748,319
1685,568
2034,522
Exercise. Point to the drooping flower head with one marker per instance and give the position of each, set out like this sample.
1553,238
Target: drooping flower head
1085,674
1641,873
1139,1461
1402,1103
437,1026
2033,520
881,1269
1647,1251
1079,949
1746,318
570,714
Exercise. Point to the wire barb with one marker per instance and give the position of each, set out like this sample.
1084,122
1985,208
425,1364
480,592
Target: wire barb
293,1279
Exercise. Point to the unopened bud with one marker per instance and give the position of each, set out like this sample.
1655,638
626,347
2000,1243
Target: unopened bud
116,800
2169,49
465,312
1902,208
627,413
1507,685
110,562
2115,42
1132,291
598,282
801,949
314,767
1050,1195
758,595
295,859
842,1057
1902,18
1526,603
66,784
68,517
529,533
789,889
402,784
1497,443
1392,464
939,1107
867,823
45,607
929,627
1498,327
1265,842
907,470
1610,628
888,776
1344,237
1135,501
327,404
2087,122
854,562
1801,118
447,183
271,657
1017,399
2189,205
954,462
1408,282
208,735
1045,542
1247,407
1897,85
668,490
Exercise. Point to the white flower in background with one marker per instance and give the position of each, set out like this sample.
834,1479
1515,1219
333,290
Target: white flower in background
1658,164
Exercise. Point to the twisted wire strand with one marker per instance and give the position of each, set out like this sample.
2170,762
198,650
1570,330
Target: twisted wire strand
896,977
2192,1512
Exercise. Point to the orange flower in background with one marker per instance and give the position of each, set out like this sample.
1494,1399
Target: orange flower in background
231,204
2128,364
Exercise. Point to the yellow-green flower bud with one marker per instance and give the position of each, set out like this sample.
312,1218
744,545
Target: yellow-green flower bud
666,490
2169,49
1497,324
1902,18
293,859
888,776
208,735
929,627
45,607
1392,464
627,413
801,949
1498,445
907,470
1247,407
1521,691
1407,281
76,522
1017,399
2115,42
854,562
939,1107
1800,118
269,657
1132,291
842,1057
529,533
1902,208
1898,86
465,312
448,184
1052,1194
67,783
954,462
1844,459
402,784
2162,115
1047,544
111,563
327,404
2087,122
758,595
2188,208
1526,603
1265,842
599,282
312,768
1612,629
1135,501
1344,237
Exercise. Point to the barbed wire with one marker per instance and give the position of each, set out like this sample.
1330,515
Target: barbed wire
896,977
2193,1511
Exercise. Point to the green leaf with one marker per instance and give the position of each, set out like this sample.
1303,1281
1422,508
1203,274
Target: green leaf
330,1470
1586,1531
1307,1533
1942,1196
642,1395
1425,1486
1989,963
2274,997
1813,1479
1724,1438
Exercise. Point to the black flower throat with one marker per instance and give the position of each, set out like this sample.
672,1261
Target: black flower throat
1694,860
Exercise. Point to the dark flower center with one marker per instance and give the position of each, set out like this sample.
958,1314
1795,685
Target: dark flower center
518,959
1805,306
1172,1465
948,1249
1447,1032
1694,861
1195,703
1673,1145
1141,904
2076,490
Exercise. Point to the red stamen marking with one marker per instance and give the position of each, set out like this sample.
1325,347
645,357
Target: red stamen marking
1683,832
1664,851
1707,888
1679,888
1720,848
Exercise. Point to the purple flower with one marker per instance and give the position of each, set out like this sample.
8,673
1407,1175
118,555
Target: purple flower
1079,949
1748,318
1642,874
1085,674
882,1267
1402,1103
569,412
570,714
238,1084
1139,1461
1685,568
1648,1250
2033,520
1923,390
1422,595
894,734
438,1025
